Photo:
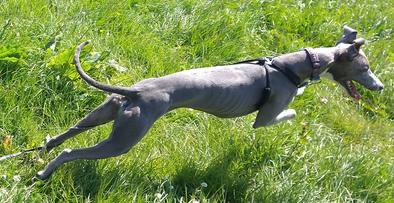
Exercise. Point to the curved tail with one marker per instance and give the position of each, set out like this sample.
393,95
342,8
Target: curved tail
128,92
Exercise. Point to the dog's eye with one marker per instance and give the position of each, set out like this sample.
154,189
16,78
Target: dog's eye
365,68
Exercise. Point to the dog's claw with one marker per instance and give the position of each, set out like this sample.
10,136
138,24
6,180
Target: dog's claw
47,139
34,179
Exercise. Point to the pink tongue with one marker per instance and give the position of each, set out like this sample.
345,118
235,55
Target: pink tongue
353,90
357,97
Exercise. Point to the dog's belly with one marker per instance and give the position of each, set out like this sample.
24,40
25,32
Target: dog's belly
228,111
228,103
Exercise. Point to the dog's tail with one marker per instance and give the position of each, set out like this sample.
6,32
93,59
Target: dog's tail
128,92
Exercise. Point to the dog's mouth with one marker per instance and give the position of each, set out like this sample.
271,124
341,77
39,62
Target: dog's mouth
351,89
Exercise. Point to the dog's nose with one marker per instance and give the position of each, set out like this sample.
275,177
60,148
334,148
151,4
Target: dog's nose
379,87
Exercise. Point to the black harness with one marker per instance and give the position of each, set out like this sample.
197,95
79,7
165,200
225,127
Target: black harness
290,75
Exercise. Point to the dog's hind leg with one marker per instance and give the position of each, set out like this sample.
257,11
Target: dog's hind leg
104,113
129,127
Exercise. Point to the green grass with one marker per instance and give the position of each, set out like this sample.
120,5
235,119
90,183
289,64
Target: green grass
338,151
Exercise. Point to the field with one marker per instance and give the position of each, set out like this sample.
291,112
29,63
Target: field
336,150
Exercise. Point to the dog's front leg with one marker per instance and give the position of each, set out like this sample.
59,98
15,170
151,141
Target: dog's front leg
274,111
267,121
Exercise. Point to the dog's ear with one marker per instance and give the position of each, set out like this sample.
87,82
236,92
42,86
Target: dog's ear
350,52
358,43
349,35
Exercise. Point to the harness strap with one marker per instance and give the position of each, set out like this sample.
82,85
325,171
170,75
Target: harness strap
290,75
315,63
267,88
259,61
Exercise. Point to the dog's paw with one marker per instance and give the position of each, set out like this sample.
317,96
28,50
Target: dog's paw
49,144
287,114
48,139
300,91
290,113
40,176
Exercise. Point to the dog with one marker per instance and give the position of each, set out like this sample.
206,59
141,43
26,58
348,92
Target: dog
266,86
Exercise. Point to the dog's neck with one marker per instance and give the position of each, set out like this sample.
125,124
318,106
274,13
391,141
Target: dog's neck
300,63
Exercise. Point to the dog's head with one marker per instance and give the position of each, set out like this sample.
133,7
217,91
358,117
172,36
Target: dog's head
351,64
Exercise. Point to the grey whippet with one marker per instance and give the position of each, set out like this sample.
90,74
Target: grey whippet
225,91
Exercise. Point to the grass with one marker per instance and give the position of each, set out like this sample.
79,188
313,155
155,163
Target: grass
339,151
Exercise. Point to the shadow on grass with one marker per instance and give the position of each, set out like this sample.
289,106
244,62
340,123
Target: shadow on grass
90,180
86,178
223,180
229,177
